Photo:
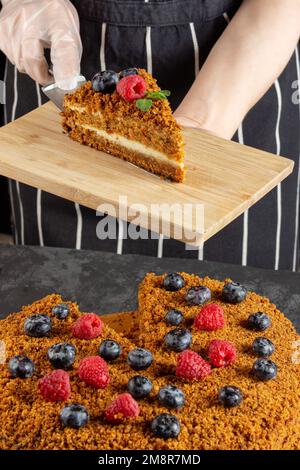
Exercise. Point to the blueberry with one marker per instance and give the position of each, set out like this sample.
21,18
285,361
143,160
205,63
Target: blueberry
61,311
62,355
178,339
74,416
173,282
21,366
171,397
230,396
109,350
38,325
263,347
165,425
234,292
174,317
264,369
126,72
105,81
139,359
139,386
258,321
197,295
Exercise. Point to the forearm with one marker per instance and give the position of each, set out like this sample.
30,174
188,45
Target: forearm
246,60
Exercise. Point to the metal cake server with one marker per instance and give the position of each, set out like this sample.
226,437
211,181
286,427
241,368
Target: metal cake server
56,94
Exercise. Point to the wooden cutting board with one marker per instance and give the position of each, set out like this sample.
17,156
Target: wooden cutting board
227,178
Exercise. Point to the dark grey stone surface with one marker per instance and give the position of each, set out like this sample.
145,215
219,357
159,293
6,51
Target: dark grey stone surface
105,282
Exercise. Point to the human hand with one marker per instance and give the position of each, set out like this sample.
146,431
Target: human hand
186,116
240,69
27,27
186,121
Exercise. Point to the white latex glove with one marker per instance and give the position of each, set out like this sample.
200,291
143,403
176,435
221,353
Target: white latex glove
29,26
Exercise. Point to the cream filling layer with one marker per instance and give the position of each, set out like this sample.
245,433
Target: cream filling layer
79,109
133,145
128,143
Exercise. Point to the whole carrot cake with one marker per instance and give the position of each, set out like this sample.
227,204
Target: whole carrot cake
127,115
69,381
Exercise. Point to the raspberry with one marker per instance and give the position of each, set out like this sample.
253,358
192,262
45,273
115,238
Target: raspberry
55,386
93,370
221,353
88,326
210,318
124,406
191,366
132,87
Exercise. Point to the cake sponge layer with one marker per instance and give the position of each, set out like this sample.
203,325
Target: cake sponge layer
168,169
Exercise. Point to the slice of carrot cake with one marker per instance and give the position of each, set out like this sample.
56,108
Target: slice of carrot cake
128,116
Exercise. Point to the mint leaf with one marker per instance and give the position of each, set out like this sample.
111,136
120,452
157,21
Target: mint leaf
143,104
158,95
155,95
166,92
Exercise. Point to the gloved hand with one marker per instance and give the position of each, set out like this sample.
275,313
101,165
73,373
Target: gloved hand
29,26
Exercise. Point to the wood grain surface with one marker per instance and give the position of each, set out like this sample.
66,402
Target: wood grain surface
225,177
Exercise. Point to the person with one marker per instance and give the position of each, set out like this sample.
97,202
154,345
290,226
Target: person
233,69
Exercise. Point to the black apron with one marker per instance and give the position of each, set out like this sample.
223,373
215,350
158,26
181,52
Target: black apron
172,40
